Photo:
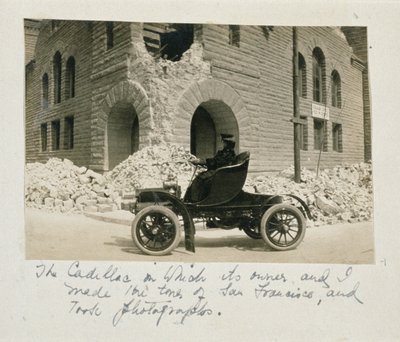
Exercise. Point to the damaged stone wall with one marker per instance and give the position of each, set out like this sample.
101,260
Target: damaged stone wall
246,88
165,81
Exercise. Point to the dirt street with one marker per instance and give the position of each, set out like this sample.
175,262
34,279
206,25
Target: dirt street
76,237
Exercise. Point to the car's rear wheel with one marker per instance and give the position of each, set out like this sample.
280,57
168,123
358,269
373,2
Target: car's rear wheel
283,227
156,230
252,232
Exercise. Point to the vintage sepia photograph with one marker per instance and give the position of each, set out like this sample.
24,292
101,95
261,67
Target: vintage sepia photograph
197,142
212,170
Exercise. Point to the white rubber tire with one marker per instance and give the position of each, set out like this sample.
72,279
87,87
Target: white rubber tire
283,208
156,209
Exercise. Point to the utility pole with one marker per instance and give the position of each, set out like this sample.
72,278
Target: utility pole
296,110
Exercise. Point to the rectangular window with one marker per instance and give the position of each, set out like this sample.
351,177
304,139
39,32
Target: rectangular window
55,135
55,25
234,35
337,138
43,137
110,34
319,135
303,135
69,132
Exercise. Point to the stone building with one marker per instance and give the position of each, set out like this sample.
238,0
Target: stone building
98,91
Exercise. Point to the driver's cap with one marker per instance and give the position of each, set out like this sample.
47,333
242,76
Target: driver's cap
227,137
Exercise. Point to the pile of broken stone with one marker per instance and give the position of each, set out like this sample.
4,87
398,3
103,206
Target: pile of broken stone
152,165
341,194
61,186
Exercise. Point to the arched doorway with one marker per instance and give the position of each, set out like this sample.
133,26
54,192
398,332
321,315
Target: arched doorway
125,97
210,119
122,133
226,109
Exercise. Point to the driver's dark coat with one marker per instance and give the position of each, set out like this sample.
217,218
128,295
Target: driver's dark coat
223,158
200,185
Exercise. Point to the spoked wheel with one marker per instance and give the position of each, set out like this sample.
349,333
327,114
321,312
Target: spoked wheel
156,230
283,227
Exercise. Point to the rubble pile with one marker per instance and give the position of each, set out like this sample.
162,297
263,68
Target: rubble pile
152,165
341,194
61,186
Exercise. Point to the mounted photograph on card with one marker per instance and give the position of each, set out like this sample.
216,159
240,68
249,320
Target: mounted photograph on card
197,142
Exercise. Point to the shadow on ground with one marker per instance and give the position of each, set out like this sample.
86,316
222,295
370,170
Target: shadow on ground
237,242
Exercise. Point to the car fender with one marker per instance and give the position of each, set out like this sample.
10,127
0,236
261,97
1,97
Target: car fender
162,197
278,199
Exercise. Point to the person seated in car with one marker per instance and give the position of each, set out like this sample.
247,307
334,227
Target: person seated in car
224,157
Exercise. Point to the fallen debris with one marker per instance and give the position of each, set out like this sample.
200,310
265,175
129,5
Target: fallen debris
341,194
152,165
61,186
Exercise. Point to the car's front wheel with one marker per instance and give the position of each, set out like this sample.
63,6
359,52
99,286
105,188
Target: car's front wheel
156,230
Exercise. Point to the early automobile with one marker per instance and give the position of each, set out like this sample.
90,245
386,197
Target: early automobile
156,228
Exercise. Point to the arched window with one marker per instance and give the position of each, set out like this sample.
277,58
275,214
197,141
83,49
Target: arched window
318,76
302,77
57,77
336,89
45,91
70,79
110,34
